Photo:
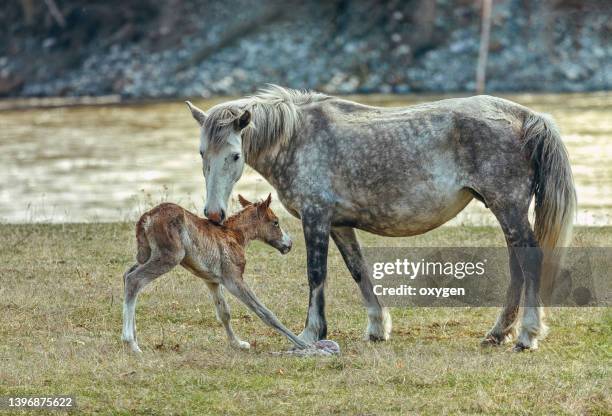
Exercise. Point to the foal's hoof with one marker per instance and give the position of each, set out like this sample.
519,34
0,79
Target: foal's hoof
241,345
133,347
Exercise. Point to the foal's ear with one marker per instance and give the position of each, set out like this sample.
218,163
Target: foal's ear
199,115
243,201
266,204
244,120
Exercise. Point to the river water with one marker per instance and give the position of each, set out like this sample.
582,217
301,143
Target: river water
109,163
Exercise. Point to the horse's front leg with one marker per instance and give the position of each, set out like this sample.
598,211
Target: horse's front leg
316,225
379,319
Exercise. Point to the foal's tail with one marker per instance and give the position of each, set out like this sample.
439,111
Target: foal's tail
555,195
144,248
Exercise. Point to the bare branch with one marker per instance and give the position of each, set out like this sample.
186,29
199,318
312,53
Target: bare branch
55,13
483,53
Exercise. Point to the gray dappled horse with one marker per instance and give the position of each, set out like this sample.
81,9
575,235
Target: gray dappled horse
339,165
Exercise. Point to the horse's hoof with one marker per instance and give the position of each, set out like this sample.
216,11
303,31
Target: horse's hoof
308,337
376,338
520,347
379,326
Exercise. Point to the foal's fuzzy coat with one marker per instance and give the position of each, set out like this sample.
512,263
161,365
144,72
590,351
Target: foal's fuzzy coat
168,235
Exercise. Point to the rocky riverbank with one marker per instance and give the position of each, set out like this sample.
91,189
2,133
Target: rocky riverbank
206,48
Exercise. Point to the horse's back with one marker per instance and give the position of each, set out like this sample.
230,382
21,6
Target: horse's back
484,106
404,171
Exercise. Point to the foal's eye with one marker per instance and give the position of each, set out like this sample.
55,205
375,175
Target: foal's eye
276,223
202,154
236,156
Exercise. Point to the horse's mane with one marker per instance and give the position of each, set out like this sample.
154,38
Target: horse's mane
275,117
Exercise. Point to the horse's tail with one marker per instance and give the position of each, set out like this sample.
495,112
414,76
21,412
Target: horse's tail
555,195
144,248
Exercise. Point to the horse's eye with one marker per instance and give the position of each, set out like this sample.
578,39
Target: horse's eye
236,156
276,223
202,154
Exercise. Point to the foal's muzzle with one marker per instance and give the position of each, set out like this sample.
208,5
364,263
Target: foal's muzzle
285,248
284,245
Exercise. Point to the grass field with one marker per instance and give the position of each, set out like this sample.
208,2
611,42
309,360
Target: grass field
61,294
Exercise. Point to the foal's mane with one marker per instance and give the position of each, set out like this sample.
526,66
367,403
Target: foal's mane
275,117
236,217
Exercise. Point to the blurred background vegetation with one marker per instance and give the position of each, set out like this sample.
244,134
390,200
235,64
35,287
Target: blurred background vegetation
148,48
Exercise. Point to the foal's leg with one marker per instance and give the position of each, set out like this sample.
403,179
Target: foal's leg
316,225
379,319
135,280
223,315
237,287
127,334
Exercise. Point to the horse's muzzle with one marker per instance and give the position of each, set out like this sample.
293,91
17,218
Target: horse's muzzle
216,216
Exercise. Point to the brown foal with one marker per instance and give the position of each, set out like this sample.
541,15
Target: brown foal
168,235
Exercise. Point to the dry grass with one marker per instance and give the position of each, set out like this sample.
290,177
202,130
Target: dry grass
61,293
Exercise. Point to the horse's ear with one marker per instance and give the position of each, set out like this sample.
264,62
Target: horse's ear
266,204
198,115
244,120
243,201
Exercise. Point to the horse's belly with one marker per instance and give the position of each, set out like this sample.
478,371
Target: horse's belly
405,217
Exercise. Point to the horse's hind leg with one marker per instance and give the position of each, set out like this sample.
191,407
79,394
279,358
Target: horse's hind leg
223,315
505,326
379,319
524,252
